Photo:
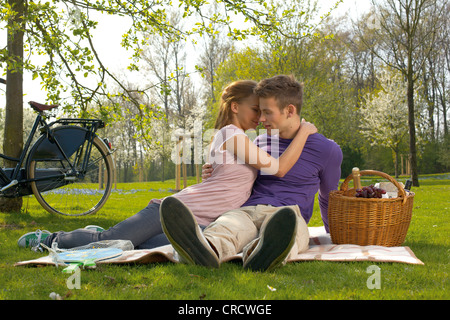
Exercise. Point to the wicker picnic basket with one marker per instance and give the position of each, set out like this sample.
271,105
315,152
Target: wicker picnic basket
373,221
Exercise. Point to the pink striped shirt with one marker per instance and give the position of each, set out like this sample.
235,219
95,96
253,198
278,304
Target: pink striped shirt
229,186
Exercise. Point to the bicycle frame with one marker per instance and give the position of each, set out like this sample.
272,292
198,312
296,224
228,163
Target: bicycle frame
19,178
91,125
10,182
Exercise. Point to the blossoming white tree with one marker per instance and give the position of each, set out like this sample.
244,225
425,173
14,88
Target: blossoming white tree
384,115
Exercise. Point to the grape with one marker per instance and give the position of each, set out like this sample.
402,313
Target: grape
370,192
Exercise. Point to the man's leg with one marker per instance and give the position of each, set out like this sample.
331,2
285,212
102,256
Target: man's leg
231,232
185,235
280,237
302,236
277,237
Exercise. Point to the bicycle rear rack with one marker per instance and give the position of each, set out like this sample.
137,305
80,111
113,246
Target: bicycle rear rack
83,122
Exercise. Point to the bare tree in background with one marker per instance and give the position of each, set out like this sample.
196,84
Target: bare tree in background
406,31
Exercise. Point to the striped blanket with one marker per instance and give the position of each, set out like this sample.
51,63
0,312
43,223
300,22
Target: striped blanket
320,249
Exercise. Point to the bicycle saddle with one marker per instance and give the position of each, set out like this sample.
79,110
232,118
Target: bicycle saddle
39,107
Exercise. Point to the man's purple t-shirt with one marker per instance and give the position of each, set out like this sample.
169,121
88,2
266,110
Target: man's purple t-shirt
318,169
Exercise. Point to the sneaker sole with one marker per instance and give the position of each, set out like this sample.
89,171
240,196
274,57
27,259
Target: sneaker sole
94,228
181,228
275,243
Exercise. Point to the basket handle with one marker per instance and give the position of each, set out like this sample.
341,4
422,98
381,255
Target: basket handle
402,192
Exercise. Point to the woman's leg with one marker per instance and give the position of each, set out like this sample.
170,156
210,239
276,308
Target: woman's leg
138,228
157,241
154,242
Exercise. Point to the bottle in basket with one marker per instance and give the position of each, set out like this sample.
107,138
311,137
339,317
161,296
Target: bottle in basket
356,178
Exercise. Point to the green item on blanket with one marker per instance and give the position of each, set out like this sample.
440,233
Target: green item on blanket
86,258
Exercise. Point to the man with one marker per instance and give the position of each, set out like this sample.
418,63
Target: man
272,224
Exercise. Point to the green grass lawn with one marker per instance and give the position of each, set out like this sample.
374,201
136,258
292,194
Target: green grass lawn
428,237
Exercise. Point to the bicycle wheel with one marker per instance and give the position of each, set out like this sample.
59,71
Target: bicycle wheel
74,195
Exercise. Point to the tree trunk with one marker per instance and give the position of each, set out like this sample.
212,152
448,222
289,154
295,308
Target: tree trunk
412,130
13,136
395,151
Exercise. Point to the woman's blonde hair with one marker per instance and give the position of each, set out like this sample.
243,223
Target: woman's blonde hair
234,92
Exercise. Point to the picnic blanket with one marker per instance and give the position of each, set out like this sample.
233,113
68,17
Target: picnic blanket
320,249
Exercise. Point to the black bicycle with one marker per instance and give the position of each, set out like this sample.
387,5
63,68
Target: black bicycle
69,169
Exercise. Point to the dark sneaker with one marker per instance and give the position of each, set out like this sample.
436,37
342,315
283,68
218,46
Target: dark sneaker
33,239
275,242
185,235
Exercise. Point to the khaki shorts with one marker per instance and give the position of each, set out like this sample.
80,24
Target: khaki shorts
238,230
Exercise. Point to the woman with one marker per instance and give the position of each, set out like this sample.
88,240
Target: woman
235,160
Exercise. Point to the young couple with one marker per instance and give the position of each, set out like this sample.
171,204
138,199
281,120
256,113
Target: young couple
253,201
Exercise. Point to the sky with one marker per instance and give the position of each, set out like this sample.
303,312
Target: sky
108,34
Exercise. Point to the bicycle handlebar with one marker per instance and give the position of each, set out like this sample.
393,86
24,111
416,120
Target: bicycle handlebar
2,81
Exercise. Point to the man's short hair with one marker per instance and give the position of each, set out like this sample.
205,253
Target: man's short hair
285,89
